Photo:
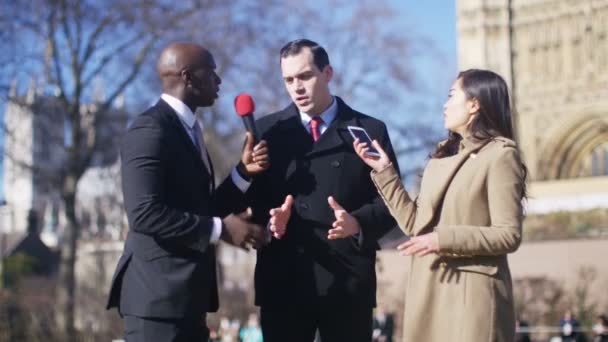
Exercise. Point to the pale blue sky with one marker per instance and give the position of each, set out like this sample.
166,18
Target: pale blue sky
434,23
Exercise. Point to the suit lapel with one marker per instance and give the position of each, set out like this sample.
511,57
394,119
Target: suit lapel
183,136
293,132
441,174
336,134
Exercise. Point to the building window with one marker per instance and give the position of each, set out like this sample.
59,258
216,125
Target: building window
599,160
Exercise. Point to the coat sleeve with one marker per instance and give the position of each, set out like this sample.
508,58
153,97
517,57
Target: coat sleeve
144,158
396,198
374,218
505,182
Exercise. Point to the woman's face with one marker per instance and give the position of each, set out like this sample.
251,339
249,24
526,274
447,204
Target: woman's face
458,111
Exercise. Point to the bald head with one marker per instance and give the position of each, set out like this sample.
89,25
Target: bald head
184,70
179,56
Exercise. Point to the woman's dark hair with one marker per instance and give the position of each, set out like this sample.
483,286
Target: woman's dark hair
494,116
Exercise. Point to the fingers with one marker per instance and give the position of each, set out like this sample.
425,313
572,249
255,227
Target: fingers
415,249
334,204
288,202
359,146
361,149
379,148
248,141
415,246
276,232
257,233
280,216
260,154
336,233
246,214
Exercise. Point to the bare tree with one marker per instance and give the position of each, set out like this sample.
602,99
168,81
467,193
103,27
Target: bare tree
73,43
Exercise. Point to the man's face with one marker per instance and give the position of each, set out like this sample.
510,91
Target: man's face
307,86
204,82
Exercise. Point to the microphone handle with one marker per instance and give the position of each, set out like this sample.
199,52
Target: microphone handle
249,123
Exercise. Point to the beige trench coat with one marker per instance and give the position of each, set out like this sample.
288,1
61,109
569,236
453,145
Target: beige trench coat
473,201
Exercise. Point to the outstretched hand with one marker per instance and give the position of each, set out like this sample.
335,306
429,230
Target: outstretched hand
378,163
345,224
279,217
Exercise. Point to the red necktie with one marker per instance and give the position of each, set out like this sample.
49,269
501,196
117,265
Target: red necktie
315,124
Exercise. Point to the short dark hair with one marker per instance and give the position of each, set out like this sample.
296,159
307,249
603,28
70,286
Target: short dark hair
320,57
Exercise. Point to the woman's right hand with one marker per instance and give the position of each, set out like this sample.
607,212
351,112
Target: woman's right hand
375,162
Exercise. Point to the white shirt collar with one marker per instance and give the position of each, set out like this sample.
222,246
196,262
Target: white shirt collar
183,112
328,115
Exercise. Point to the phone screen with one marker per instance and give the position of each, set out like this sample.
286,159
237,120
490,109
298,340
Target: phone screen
361,134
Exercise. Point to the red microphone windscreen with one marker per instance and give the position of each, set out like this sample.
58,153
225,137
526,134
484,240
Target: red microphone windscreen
244,104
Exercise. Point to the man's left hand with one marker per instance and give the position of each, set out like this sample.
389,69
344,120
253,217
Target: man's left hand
254,159
345,224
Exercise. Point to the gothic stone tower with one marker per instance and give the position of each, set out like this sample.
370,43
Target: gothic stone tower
554,55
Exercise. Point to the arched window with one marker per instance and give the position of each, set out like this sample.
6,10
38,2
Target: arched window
580,149
599,160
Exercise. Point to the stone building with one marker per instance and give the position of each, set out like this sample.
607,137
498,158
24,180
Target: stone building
554,55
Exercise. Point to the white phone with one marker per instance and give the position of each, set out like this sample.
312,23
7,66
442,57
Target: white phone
361,134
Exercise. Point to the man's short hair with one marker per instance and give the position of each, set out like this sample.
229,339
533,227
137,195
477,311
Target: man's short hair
320,57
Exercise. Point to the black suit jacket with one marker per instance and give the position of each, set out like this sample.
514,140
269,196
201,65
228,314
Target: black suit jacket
304,265
167,269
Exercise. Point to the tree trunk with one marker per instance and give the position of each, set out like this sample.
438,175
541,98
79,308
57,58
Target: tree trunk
67,275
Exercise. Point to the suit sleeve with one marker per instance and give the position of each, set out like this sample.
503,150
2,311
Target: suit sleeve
228,198
505,189
144,157
374,218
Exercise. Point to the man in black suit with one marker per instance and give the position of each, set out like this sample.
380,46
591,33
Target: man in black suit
318,271
165,281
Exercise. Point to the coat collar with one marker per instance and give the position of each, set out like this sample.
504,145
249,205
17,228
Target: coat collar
469,143
336,134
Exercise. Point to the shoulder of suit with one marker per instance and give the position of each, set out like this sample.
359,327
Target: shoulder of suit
275,116
149,118
501,147
269,120
368,121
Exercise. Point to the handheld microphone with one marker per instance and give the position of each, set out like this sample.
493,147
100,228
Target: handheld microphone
245,107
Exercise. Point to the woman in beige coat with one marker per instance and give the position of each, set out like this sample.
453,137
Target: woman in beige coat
465,220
